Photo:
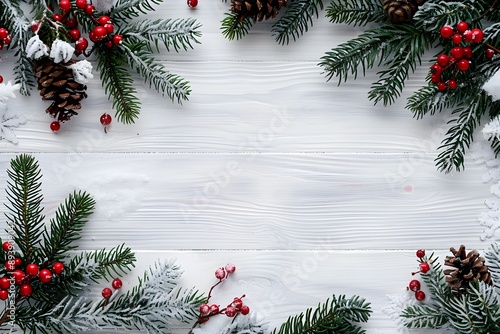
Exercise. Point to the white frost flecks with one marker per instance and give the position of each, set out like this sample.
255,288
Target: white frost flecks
103,5
35,48
61,51
82,71
8,119
242,324
395,307
492,86
492,129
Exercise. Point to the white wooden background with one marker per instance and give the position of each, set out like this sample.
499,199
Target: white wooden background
307,187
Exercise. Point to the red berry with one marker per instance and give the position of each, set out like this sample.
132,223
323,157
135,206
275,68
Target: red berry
4,283
32,269
467,52
9,266
92,37
435,78
477,35
4,294
117,39
89,9
7,40
489,53
74,34
446,32
457,39
424,266
462,27
81,44
58,268
230,311
237,303
441,86
106,293
436,69
25,290
65,5
414,285
1,79
99,32
457,52
109,28
18,275
105,119
45,276
104,19
7,246
117,283
81,4
109,44
55,126
35,25
467,36
245,310
220,273
443,60
463,65
204,309
57,17
192,3
71,23
230,268
17,262
214,309
3,33
419,295
452,84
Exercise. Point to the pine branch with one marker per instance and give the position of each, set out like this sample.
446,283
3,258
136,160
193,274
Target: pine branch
139,59
428,100
248,324
296,20
337,315
232,28
423,316
65,229
434,280
433,15
356,12
118,83
125,10
24,208
177,34
492,255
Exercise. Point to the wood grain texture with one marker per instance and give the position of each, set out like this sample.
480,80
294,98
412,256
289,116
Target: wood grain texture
308,187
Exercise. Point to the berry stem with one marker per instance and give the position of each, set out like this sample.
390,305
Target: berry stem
490,9
492,47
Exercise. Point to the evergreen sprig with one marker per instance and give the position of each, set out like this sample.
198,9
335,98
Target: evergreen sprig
129,9
355,12
232,28
298,17
335,315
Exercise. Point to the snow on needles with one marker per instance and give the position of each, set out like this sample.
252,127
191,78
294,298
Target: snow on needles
492,86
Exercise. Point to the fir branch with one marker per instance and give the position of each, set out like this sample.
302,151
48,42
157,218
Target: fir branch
177,34
124,10
336,315
428,100
140,59
421,315
232,27
118,83
434,279
459,136
65,229
248,324
356,12
296,20
433,15
492,255
24,208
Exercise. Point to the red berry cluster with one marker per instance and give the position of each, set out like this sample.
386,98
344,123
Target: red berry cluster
459,57
115,284
4,40
25,278
424,267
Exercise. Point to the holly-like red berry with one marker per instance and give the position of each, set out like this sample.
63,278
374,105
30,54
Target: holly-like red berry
467,52
230,268
17,262
105,119
18,275
92,37
65,5
74,34
457,39
443,60
7,40
109,44
32,269
58,268
26,290
237,303
204,309
467,36
436,69
441,86
7,246
45,276
457,52
89,9
117,283
99,32
192,3
245,310
452,84
230,311
3,33
109,28
4,283
9,266
419,295
414,285
106,293
35,25
447,32
220,273
57,17
420,253
117,39
214,309
462,27
81,4
104,19
463,65
55,126
71,23
489,53
4,294
424,267
81,44
477,35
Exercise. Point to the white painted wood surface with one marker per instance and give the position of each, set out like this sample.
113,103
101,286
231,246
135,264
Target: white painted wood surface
307,187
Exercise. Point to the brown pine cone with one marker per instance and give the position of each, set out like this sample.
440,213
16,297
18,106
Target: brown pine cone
257,9
401,10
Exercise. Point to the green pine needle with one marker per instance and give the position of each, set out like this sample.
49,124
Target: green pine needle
356,12
297,19
232,28
125,10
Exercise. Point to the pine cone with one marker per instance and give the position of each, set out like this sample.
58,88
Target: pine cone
257,9
401,10
468,268
56,82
